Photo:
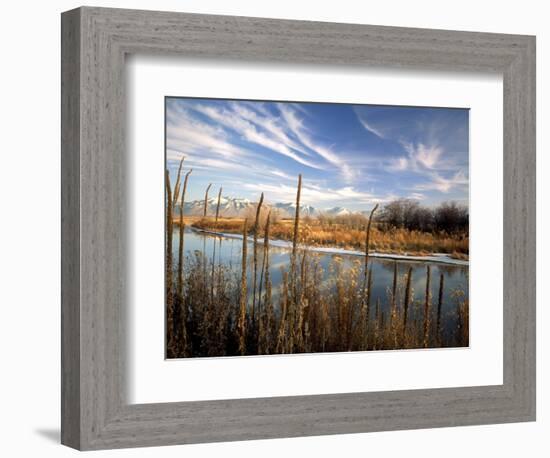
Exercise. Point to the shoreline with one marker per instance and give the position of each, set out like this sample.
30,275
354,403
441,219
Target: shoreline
441,258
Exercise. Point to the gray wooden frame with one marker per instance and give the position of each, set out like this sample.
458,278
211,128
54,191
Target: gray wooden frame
95,41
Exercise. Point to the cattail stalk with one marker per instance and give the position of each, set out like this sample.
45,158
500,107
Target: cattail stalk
297,217
393,311
206,200
243,298
268,307
427,308
265,260
255,254
293,283
407,299
177,186
439,306
218,205
367,307
182,235
282,334
168,262
367,240
394,286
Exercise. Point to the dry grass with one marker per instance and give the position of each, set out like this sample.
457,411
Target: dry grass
210,311
313,233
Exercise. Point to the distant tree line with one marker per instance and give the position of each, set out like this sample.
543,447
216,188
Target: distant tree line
449,217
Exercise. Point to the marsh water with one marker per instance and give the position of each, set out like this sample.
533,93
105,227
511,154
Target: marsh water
227,251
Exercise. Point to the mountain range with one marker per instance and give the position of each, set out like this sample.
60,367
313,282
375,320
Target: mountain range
239,207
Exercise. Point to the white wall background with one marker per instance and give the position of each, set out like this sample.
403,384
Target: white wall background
30,227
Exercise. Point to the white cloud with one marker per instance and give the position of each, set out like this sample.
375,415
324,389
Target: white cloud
444,185
370,127
297,127
238,123
428,156
185,134
314,195
399,164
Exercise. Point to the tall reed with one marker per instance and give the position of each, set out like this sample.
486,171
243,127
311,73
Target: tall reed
292,303
243,295
218,205
439,306
267,318
297,218
427,301
367,239
393,310
168,267
177,185
366,301
182,234
169,227
255,255
206,200
407,299
282,335
316,307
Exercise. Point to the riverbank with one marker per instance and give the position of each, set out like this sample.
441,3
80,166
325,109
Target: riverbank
442,258
350,238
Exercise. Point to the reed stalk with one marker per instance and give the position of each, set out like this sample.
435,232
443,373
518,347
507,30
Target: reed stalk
297,217
243,294
181,259
393,311
265,336
177,185
218,205
367,239
439,306
292,304
255,255
168,265
407,299
367,311
282,333
427,301
206,200
265,259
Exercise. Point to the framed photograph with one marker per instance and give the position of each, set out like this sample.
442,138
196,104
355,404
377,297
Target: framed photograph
278,228
281,263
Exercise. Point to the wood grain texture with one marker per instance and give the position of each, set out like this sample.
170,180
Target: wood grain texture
95,411
70,229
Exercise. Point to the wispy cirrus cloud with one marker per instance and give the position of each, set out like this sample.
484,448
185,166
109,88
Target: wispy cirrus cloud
429,145
186,134
303,134
349,155
369,127
442,184
316,195
426,156
238,122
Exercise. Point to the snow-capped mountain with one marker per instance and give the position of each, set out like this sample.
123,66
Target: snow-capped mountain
231,207
288,209
337,211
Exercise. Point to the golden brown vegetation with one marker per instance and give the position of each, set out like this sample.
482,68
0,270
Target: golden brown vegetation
315,309
382,240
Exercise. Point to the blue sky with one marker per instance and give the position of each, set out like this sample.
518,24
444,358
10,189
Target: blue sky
349,155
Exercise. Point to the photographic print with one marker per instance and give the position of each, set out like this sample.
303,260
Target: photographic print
301,227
